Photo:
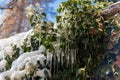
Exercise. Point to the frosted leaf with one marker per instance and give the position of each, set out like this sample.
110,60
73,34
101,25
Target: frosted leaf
37,5
9,51
41,73
30,11
29,67
42,49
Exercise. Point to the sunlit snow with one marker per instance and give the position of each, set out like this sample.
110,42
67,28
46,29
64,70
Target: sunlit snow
25,63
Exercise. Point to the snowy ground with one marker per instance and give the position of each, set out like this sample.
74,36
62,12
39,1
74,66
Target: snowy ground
28,63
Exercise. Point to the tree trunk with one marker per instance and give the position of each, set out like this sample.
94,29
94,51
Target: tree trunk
111,11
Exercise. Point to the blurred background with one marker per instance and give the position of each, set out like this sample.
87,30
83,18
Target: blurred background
12,15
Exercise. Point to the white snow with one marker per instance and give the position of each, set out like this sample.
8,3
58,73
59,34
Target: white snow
41,72
18,75
16,39
5,75
3,65
25,63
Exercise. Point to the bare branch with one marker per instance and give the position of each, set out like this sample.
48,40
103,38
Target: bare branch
10,5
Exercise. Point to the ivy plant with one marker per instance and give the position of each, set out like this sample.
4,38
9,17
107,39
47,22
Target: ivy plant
82,27
42,30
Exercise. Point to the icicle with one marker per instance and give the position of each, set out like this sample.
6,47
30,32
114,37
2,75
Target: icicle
57,58
39,40
73,58
66,55
51,63
54,63
77,55
69,54
70,58
62,54
75,50
60,60
85,46
72,55
57,63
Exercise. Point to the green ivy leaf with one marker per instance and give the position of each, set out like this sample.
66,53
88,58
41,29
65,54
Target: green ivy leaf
33,24
43,15
58,18
31,19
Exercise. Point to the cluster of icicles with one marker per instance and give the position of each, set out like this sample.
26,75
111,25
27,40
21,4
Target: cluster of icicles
33,65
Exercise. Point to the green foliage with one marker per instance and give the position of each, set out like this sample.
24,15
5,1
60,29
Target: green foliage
16,52
42,30
82,29
34,43
25,47
82,26
14,56
9,62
